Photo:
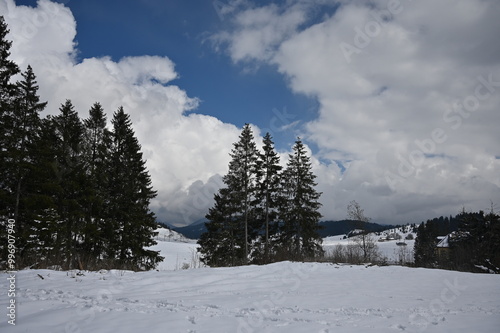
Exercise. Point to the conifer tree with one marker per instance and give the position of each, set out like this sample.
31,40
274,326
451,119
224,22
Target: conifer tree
70,179
241,181
25,126
96,158
130,192
8,93
232,219
268,191
425,244
299,207
8,69
218,245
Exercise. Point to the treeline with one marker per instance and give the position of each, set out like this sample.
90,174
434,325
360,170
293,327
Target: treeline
78,192
263,213
467,242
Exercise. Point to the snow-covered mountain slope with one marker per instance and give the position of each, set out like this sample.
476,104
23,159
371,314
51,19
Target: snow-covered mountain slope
282,297
394,245
167,235
179,251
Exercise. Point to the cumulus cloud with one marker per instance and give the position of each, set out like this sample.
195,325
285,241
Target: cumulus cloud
185,151
408,93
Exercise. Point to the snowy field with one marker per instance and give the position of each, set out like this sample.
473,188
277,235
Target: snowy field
282,297
389,250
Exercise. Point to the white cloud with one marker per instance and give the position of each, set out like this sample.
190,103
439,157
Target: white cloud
388,76
184,152
410,107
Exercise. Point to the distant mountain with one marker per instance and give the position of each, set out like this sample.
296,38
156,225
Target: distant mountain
194,230
333,228
329,228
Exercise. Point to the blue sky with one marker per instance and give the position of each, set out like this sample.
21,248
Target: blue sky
397,100
234,93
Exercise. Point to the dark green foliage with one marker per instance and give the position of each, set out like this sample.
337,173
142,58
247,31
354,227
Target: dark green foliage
70,180
233,221
268,196
299,207
274,215
78,193
96,151
221,244
8,69
130,192
425,245
22,126
8,93
472,242
476,244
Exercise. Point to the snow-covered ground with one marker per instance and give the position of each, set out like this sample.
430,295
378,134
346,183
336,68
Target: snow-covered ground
389,248
179,251
281,297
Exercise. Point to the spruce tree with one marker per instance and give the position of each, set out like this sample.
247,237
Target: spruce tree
232,220
299,207
132,226
268,193
96,157
218,245
425,244
43,230
241,181
8,94
8,69
70,180
26,127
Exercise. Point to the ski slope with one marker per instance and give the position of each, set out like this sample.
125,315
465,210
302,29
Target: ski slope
281,297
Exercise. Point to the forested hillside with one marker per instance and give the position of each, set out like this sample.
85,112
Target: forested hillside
467,242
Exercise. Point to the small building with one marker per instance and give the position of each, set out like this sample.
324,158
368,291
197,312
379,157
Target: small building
443,247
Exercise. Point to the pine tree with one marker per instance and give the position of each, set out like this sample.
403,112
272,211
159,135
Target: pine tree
130,192
299,207
268,192
232,219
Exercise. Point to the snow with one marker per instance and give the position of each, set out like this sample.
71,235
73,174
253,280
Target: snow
282,297
388,248
179,251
